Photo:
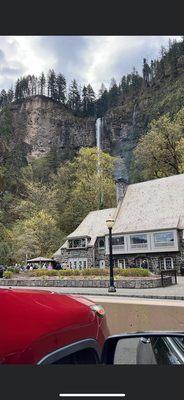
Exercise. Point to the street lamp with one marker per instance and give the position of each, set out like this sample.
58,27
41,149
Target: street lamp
110,223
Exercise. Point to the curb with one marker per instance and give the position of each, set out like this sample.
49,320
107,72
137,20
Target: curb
141,296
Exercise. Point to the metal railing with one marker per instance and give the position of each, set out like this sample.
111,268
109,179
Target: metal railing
169,272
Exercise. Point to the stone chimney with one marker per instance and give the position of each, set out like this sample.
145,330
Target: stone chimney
121,188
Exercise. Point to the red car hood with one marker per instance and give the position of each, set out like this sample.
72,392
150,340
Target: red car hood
28,316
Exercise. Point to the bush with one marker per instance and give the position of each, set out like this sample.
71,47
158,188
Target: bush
13,269
95,272
69,272
38,272
8,274
139,272
44,272
51,272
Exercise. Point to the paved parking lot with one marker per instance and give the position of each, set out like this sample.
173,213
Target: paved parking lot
174,292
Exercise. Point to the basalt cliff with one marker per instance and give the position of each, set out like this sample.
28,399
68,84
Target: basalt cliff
38,123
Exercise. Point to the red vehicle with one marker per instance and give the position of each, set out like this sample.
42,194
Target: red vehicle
42,327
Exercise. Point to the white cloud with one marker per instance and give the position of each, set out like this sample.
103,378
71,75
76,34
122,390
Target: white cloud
113,56
89,59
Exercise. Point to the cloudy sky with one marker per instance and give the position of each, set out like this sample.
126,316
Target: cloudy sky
89,59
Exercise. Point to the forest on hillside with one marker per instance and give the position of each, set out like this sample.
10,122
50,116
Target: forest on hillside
83,101
43,201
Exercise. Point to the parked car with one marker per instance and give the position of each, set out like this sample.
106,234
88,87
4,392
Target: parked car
161,348
44,327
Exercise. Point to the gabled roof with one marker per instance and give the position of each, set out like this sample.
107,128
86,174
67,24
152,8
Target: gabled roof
152,205
93,226
147,206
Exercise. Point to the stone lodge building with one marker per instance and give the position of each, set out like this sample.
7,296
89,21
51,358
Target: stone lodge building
149,224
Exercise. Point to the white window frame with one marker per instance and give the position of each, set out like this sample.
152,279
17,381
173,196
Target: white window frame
138,245
74,263
79,247
164,259
128,248
122,261
173,246
102,267
158,244
101,238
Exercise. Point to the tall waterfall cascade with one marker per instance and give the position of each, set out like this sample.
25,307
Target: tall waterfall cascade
134,115
99,130
99,126
99,123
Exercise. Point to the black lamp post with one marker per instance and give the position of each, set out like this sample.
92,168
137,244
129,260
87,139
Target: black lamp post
110,223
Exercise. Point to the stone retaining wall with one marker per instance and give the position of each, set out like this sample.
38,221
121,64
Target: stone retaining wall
137,283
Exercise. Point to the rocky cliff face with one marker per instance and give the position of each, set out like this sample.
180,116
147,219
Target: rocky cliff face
39,123
45,124
124,125
122,129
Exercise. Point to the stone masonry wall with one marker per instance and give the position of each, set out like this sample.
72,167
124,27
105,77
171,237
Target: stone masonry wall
95,255
134,283
81,253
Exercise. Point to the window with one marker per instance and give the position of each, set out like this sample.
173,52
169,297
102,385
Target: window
138,241
166,263
118,241
164,239
77,243
78,263
101,243
122,263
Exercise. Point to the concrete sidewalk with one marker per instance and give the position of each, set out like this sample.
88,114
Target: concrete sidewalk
174,292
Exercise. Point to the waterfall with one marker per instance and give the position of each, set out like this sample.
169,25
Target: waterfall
99,128
98,140
133,116
98,133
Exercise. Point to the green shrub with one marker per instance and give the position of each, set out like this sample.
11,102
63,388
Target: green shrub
8,274
69,272
52,272
139,272
43,272
14,270
95,272
38,272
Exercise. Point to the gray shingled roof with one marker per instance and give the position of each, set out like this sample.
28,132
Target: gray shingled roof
147,206
94,225
152,205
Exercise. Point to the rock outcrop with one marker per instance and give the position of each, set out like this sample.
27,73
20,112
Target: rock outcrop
45,123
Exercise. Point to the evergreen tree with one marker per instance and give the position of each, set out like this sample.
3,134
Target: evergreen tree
74,100
146,73
102,102
3,98
61,88
136,80
42,82
10,95
91,100
84,100
52,85
124,85
18,92
113,94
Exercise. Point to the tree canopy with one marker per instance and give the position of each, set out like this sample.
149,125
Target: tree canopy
160,152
